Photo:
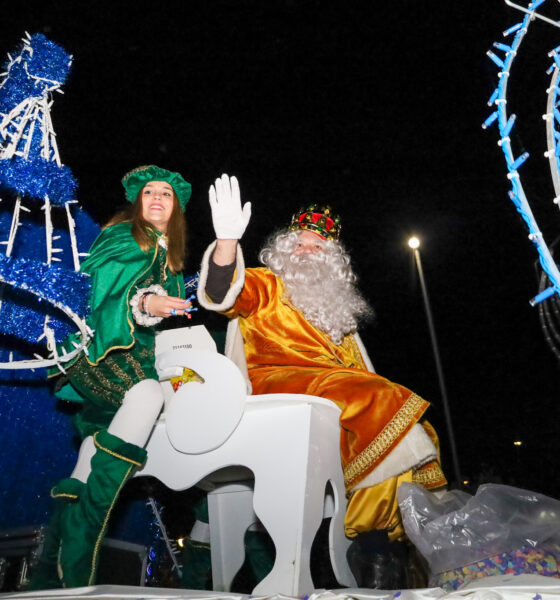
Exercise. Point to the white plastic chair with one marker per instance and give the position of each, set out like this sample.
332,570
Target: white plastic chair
289,443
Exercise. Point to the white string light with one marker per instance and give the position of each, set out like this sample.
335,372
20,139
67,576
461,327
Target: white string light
54,358
505,125
72,231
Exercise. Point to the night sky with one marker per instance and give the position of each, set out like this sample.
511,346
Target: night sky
375,108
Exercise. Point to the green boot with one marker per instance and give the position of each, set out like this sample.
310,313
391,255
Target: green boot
44,573
83,525
197,565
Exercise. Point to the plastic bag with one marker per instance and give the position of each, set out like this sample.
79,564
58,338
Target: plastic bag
457,529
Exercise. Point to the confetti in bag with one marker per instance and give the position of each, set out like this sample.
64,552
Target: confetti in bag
500,530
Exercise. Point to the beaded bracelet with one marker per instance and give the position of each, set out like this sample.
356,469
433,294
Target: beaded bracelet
144,317
143,302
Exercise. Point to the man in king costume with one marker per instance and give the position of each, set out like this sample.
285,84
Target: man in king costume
298,318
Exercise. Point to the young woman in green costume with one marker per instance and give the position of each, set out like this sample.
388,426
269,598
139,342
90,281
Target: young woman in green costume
135,266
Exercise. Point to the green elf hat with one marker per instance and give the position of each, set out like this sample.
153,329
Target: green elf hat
136,179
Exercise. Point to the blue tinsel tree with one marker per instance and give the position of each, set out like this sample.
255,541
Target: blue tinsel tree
37,193
41,225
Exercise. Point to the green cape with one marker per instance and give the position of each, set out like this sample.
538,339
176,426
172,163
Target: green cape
117,266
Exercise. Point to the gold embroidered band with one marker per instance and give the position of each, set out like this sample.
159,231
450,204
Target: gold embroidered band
430,476
386,438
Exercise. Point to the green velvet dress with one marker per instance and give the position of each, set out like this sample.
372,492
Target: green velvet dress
121,353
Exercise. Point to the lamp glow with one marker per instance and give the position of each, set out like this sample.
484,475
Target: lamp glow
414,243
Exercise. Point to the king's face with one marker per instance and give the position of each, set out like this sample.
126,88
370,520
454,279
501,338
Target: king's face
309,243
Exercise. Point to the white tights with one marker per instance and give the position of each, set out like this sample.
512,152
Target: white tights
133,422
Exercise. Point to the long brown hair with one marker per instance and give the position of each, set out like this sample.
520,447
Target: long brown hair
143,232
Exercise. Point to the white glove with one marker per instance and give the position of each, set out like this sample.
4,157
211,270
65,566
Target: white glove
228,218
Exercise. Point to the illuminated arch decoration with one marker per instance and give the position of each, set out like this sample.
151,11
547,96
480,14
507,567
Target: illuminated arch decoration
505,123
31,169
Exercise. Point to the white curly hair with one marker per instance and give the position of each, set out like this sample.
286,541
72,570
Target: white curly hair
321,285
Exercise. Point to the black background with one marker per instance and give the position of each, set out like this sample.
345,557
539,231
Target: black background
374,107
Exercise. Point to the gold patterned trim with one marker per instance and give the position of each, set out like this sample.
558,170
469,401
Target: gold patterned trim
73,496
137,368
118,391
97,382
355,351
100,383
119,371
406,416
125,458
430,476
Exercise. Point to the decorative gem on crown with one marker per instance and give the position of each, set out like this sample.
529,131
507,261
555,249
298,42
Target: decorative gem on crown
318,219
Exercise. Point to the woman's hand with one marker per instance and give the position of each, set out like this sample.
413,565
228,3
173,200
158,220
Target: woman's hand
168,306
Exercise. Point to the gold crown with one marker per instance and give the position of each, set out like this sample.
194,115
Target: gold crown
318,219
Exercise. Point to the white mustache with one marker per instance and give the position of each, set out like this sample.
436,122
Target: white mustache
308,258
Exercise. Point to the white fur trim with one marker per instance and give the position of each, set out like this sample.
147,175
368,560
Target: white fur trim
145,318
235,288
416,449
364,352
235,350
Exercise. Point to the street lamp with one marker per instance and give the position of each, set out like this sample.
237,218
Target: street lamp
414,244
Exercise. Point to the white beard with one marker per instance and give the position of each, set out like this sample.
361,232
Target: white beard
320,285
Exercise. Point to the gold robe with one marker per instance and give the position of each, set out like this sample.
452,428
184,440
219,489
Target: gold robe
285,353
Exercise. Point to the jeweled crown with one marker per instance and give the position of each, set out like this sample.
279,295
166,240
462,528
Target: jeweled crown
318,219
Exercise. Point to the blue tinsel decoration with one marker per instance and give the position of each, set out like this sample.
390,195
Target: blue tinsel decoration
47,281
35,177
43,59
38,178
37,438
22,315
